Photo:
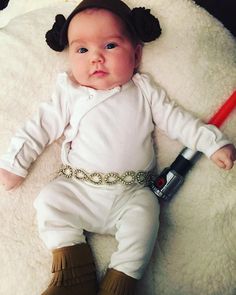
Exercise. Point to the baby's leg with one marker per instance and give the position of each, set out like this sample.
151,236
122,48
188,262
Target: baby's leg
136,234
137,228
61,217
58,215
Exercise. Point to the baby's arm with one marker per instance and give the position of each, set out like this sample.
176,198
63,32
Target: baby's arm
10,180
29,142
225,157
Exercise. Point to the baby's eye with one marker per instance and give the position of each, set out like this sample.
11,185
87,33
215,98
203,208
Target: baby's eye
82,50
111,45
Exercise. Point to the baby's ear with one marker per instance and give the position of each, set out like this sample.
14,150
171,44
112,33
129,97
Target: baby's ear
138,55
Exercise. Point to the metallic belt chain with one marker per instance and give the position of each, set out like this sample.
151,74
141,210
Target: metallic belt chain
127,178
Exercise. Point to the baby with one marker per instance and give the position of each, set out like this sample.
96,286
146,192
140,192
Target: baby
107,112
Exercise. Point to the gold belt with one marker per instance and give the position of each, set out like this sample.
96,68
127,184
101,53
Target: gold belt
127,178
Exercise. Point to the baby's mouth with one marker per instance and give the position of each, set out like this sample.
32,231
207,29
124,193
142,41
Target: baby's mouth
99,73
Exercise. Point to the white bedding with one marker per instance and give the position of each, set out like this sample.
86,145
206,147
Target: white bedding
195,60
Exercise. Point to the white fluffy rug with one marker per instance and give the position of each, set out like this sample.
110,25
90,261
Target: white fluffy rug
195,60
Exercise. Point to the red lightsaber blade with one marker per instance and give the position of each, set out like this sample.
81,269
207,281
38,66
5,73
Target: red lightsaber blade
171,178
222,114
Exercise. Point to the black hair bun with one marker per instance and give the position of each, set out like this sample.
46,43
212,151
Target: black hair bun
3,4
146,25
53,36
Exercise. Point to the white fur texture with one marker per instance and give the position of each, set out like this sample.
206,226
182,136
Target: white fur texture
195,60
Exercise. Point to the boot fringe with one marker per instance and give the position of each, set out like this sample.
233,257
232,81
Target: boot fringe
118,283
59,280
72,257
73,271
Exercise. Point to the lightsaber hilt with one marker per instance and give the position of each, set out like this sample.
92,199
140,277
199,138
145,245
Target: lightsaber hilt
172,178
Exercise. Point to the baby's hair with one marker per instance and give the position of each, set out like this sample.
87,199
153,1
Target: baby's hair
130,34
139,24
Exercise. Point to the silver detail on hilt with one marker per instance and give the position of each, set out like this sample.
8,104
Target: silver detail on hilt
189,154
166,184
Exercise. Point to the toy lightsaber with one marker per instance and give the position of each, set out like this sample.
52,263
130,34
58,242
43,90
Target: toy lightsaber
171,178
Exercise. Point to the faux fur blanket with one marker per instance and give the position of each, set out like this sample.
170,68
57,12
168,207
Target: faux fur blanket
195,60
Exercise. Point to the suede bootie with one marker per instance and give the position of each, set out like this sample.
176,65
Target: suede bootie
73,272
117,283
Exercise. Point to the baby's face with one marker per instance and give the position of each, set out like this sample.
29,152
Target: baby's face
101,55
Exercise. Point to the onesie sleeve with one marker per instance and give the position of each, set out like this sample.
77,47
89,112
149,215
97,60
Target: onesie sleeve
179,124
46,126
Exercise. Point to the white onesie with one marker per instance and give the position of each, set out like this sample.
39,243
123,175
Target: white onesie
105,131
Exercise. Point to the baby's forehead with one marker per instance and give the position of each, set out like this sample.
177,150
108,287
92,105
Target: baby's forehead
100,21
101,16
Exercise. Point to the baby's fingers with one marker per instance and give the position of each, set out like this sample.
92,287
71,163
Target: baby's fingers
226,163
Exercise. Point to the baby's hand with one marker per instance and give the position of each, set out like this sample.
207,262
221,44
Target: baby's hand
225,157
10,180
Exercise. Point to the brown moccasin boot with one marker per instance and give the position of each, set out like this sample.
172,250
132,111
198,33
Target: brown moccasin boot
74,271
117,283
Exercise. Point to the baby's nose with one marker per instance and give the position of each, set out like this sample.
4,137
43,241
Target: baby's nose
97,57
